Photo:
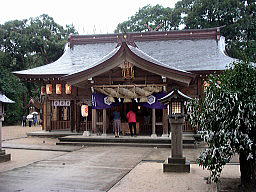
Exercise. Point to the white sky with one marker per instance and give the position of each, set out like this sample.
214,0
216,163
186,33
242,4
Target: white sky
86,16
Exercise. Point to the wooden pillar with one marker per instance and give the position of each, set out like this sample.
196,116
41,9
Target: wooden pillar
153,123
104,122
44,115
72,116
48,116
75,116
165,123
94,120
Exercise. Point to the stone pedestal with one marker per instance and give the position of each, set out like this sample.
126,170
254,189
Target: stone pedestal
86,133
176,163
4,157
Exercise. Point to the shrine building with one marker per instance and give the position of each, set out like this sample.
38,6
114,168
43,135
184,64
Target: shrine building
98,74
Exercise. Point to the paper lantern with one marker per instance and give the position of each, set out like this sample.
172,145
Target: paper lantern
68,89
206,85
58,89
48,89
43,90
176,107
84,110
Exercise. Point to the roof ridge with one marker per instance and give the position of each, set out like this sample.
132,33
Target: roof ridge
187,34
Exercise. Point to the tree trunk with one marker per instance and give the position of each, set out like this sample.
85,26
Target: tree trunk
248,172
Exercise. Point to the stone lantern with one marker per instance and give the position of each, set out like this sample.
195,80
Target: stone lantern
176,101
3,99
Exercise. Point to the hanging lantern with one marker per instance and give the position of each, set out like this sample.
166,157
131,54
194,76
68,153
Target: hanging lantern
84,110
68,89
43,90
58,89
206,85
48,89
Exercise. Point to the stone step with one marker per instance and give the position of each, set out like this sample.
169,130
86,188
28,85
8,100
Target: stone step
158,145
126,139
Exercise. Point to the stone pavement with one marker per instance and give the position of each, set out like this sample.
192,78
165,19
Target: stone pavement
13,132
47,168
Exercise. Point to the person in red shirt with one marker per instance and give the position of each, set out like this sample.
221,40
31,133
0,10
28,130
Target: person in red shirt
131,116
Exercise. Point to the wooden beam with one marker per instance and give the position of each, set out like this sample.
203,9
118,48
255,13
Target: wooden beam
139,85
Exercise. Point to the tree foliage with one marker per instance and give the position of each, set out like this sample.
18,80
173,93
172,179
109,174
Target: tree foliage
152,16
26,44
226,116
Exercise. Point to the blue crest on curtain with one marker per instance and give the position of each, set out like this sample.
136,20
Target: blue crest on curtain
100,101
153,102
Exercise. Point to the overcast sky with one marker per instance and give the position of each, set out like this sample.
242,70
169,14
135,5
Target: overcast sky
86,16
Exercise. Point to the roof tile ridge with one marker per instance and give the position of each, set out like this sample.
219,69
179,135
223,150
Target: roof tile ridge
207,33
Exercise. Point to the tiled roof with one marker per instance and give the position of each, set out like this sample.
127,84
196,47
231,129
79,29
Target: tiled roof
173,50
80,57
151,59
188,55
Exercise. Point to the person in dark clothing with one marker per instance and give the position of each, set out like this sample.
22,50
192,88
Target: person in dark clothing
24,121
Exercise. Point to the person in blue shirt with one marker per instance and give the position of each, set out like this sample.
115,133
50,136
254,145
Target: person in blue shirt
117,122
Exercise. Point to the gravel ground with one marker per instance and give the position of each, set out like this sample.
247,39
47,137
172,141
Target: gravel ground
149,177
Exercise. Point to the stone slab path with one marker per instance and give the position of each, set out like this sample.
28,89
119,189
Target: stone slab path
87,169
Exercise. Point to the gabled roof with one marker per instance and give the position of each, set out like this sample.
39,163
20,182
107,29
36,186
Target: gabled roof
137,57
174,94
180,51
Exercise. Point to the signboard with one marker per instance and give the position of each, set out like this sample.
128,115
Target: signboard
61,103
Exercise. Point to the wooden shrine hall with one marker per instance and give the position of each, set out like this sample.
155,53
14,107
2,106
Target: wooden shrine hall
125,71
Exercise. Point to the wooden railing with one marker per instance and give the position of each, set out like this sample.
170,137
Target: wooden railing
60,125
82,126
65,125
187,127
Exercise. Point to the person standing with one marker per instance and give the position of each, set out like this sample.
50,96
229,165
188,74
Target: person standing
24,120
117,122
131,116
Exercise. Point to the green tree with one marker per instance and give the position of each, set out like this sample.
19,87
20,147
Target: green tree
26,44
226,116
150,16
